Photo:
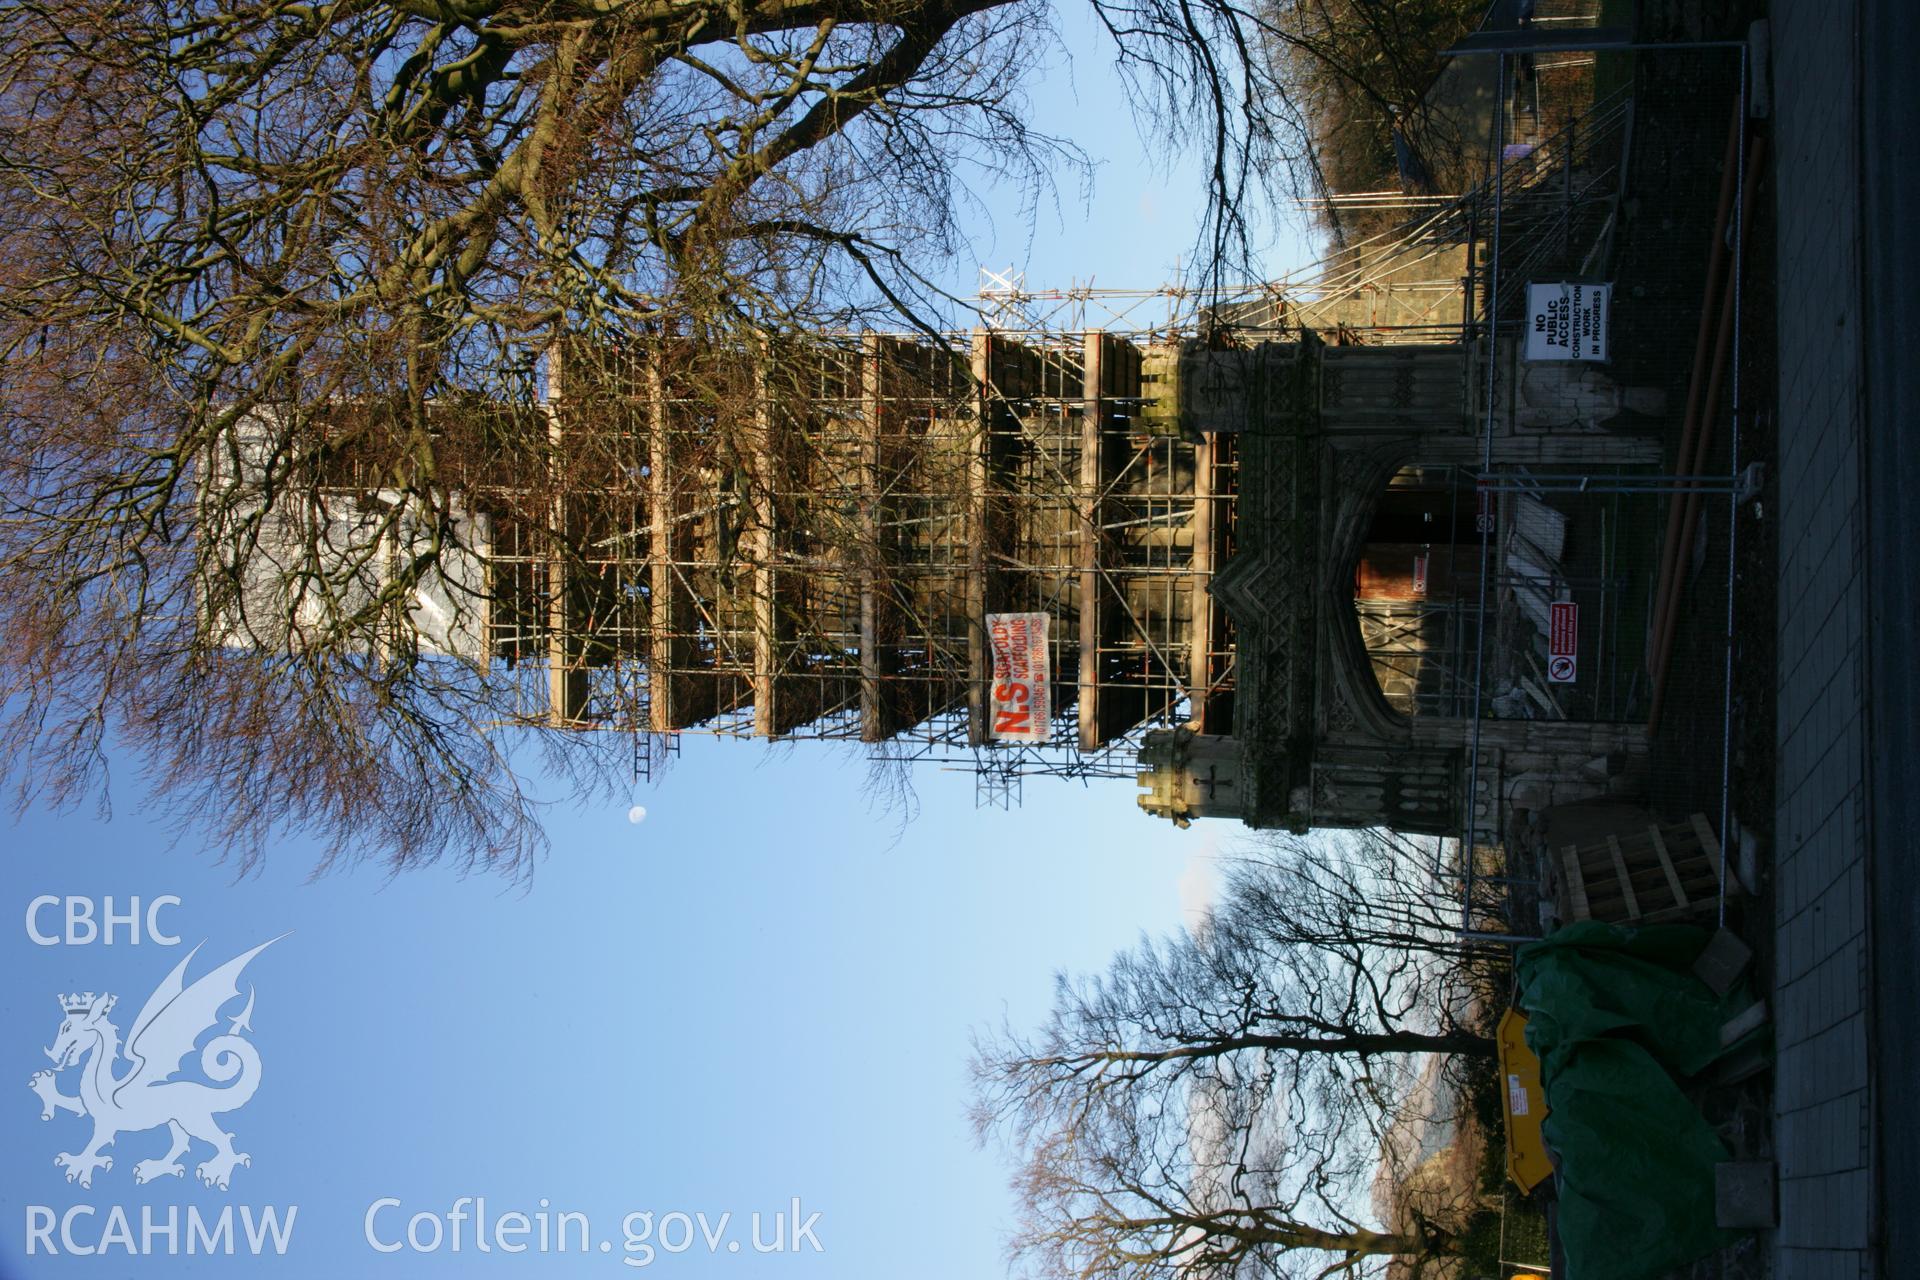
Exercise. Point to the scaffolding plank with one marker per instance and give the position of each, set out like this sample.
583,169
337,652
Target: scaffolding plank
766,655
660,619
1626,877
566,680
1200,677
1092,418
873,727
1659,841
1710,845
977,668
1576,883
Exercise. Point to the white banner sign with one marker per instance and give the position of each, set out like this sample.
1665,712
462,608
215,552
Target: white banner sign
1568,321
1021,699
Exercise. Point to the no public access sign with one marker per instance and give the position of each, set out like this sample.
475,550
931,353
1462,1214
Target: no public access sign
1568,321
1563,642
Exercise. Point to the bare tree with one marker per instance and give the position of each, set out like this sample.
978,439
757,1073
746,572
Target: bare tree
1210,1176
1215,1103
1361,76
1360,894
277,282
259,255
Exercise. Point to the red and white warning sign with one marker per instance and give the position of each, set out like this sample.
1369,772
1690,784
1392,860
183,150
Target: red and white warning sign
1021,700
1563,642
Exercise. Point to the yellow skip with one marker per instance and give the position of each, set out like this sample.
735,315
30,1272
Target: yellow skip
1524,1102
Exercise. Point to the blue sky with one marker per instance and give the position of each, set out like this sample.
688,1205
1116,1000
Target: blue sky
758,994
754,995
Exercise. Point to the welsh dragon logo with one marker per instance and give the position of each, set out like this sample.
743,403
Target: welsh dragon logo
146,1095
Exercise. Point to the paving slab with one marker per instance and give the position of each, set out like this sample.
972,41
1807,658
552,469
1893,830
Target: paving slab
1824,994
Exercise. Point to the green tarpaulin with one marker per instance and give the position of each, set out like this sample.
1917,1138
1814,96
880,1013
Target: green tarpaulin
1619,1021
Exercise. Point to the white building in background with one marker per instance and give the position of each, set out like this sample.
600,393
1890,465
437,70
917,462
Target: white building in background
300,563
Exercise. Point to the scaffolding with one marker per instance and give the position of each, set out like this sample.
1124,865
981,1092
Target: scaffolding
803,536
805,542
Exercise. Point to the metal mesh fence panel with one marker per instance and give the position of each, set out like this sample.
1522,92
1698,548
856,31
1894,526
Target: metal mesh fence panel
1606,306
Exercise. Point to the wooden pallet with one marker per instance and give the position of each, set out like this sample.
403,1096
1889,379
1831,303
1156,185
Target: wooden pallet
1670,872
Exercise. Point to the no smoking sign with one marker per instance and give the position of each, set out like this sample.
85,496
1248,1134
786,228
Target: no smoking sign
1563,642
